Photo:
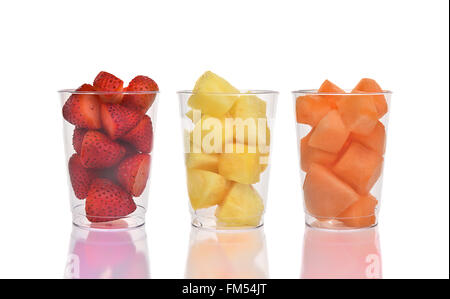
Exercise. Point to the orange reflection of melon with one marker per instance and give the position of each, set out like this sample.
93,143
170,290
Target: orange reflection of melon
311,109
376,140
330,134
359,113
370,85
309,155
361,213
360,167
328,86
326,195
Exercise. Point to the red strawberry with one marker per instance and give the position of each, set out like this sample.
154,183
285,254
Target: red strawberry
108,82
77,139
141,137
107,201
129,149
132,173
80,177
143,101
98,151
83,109
118,120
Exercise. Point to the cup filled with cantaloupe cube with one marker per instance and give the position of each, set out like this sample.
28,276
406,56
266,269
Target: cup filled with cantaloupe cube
227,138
342,142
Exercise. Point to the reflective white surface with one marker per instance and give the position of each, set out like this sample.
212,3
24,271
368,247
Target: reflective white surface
116,253
227,254
341,254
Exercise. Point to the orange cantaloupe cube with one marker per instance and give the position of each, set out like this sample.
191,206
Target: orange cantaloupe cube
309,155
376,140
311,109
326,195
370,85
359,113
328,86
360,167
361,213
330,133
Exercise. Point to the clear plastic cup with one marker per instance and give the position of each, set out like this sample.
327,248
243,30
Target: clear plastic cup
227,254
108,165
342,141
227,156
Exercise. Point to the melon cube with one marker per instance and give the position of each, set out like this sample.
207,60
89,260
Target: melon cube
370,85
326,196
207,95
309,155
311,109
241,165
361,213
360,167
330,134
202,161
376,140
205,188
242,206
328,86
359,113
248,106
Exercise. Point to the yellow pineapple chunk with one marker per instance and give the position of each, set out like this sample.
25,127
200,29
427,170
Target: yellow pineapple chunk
205,188
209,134
240,163
241,207
250,136
209,103
248,106
202,161
264,161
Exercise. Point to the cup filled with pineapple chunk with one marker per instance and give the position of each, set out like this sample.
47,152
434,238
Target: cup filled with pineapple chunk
227,139
342,141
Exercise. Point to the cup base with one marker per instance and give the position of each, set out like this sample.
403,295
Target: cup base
209,223
136,219
357,223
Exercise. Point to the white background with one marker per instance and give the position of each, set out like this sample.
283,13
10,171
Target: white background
280,45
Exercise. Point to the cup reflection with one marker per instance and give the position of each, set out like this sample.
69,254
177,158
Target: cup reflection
341,254
114,253
227,254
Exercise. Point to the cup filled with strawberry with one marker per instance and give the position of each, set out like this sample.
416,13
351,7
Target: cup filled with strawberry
342,142
227,139
108,131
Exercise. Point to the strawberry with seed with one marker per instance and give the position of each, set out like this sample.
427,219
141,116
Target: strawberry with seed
107,82
80,177
141,137
133,172
107,201
99,151
143,101
118,120
83,109
77,139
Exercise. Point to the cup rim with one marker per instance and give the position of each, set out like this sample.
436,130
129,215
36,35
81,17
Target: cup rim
140,92
346,92
240,93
